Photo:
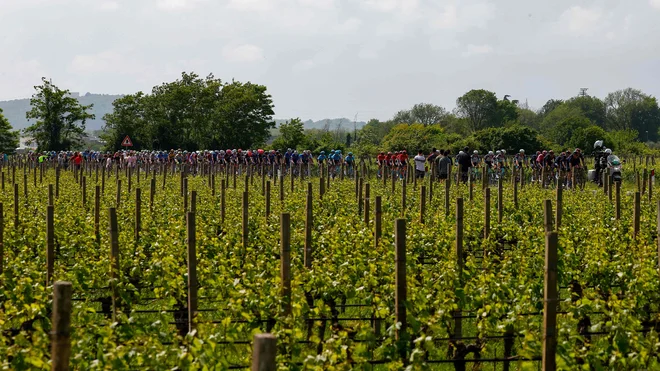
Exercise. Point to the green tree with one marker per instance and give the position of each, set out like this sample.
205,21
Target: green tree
8,137
549,106
421,113
128,118
413,137
60,118
479,108
193,113
586,137
348,140
292,135
564,130
510,139
591,107
529,118
630,109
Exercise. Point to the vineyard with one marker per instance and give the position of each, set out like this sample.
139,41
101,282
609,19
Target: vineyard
178,269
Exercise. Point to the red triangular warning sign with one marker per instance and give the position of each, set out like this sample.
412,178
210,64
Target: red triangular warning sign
127,142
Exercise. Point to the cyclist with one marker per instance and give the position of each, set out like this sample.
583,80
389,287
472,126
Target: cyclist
380,161
350,162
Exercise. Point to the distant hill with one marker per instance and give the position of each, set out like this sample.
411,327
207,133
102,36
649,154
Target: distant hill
330,124
14,110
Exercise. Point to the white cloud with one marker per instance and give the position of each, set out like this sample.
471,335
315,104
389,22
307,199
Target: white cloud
320,4
173,5
655,4
477,50
579,20
109,6
368,54
350,25
463,17
109,61
251,5
304,65
405,7
243,53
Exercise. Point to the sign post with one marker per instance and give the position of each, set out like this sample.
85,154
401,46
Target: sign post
127,142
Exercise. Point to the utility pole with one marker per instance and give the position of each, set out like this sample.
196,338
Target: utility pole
583,92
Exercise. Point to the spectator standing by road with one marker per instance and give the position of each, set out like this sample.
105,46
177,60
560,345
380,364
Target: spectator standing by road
420,164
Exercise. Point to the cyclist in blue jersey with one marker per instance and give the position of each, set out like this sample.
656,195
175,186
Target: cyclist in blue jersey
350,163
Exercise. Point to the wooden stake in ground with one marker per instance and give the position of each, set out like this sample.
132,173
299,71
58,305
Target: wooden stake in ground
114,260
285,262
550,303
547,215
458,319
264,351
16,205
617,201
61,330
50,244
559,206
401,292
138,213
97,212
378,220
192,270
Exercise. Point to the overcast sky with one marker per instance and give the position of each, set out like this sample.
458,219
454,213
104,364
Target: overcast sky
335,58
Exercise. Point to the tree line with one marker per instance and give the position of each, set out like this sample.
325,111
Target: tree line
627,120
196,112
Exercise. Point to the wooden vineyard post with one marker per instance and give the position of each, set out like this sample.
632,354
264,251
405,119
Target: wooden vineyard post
244,224
285,261
401,293
25,187
192,271
61,326
97,212
223,187
321,186
185,196
114,260
393,184
378,220
486,213
422,204
644,181
617,200
360,183
138,213
550,303
639,182
559,204
403,197
308,227
281,189
609,189
515,193
16,211
118,192
267,199
264,351
636,215
263,181
457,314
50,244
547,215
500,201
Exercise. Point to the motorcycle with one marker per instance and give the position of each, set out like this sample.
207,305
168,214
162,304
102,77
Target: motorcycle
614,168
